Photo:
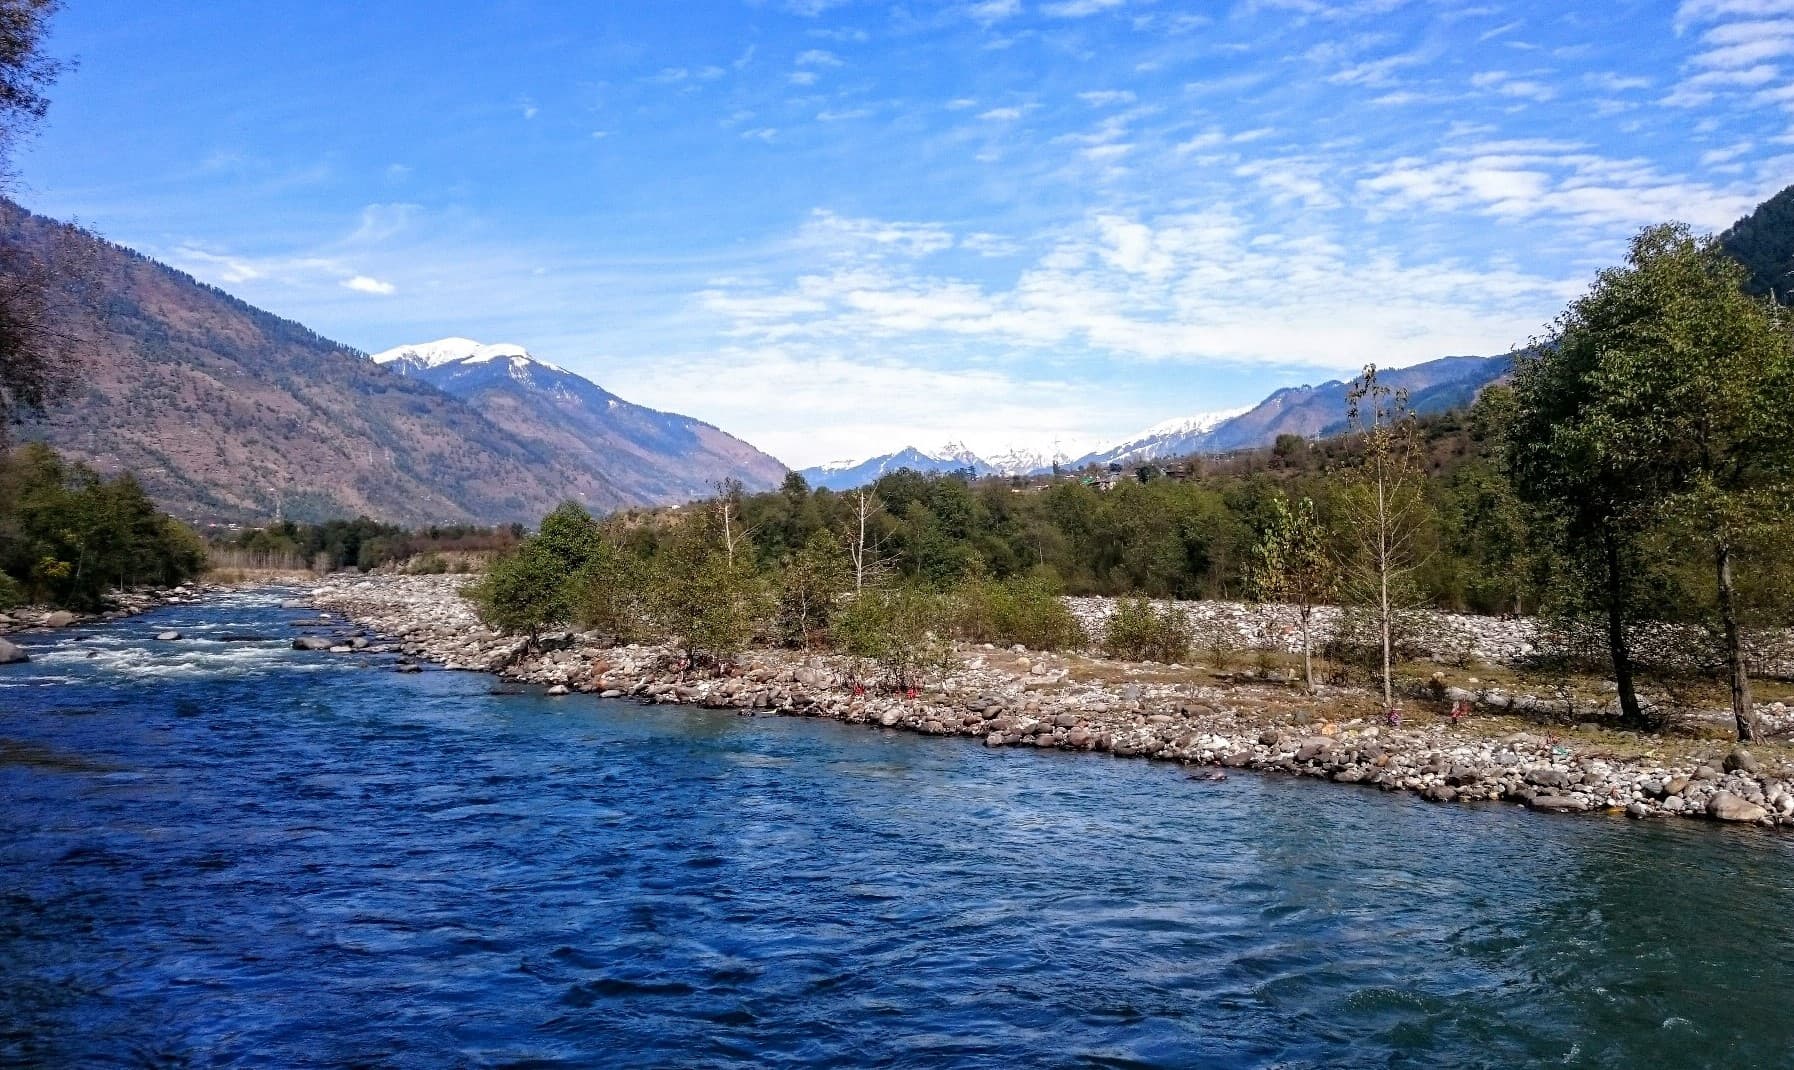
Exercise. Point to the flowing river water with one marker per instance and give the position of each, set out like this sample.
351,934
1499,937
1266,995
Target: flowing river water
221,851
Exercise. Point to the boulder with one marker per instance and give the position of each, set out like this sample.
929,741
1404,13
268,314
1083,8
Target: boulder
311,642
1557,803
62,618
10,654
558,689
167,637
1740,761
1313,747
1724,806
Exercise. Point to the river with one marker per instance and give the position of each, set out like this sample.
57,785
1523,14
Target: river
223,852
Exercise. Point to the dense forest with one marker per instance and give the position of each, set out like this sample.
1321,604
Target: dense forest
67,535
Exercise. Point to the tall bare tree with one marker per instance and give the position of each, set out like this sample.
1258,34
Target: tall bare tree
1385,509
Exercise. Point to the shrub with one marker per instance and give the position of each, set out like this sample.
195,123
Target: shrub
1025,610
899,630
1218,635
810,587
1137,631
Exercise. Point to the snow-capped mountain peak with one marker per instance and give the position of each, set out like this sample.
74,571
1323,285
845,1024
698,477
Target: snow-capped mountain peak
455,350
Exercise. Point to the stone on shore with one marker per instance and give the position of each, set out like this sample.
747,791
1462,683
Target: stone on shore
62,618
311,642
10,654
1724,806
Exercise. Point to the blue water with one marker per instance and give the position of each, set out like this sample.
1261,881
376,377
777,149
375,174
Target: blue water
224,852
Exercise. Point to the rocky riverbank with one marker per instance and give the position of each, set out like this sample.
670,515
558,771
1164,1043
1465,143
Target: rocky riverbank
1014,697
122,604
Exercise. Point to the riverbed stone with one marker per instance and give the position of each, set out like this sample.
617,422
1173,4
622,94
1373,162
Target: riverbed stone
61,618
10,654
1724,806
1741,761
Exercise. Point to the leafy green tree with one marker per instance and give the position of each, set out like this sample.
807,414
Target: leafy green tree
524,593
701,595
1680,396
534,587
610,594
1294,566
811,585
901,629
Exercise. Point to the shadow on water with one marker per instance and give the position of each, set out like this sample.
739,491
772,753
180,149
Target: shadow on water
242,854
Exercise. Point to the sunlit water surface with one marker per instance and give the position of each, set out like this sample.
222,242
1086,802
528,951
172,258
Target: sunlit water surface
221,851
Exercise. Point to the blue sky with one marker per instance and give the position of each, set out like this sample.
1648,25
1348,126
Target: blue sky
835,228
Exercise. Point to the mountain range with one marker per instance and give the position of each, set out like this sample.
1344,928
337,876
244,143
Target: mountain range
650,456
229,413
1309,411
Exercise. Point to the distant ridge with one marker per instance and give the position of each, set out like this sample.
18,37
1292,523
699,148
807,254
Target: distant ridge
651,456
1309,411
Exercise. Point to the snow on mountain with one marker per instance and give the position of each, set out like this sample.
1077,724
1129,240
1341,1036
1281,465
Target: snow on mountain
424,356
1168,438
648,455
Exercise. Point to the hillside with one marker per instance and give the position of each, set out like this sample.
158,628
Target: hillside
229,413
1763,242
651,456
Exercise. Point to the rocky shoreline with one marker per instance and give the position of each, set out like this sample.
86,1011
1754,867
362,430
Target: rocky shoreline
125,603
1014,697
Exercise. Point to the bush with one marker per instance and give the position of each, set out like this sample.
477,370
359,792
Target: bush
1025,610
900,630
1137,631
11,594
1218,635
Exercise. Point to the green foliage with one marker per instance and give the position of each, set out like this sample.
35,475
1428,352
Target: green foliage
900,630
524,593
1137,630
1022,609
811,584
709,601
610,594
67,535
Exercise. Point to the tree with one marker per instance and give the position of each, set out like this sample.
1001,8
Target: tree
1385,509
1681,388
863,544
533,588
811,584
1294,566
38,283
900,629
705,598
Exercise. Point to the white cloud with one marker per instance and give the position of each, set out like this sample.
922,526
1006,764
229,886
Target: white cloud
1001,114
1103,98
817,57
367,284
989,11
1077,9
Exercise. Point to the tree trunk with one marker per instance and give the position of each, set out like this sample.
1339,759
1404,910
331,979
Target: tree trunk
1383,591
1630,713
1742,710
1307,656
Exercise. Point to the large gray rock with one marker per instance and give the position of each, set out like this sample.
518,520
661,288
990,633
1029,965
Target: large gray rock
10,654
1724,806
62,618
1740,761
167,637
311,642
